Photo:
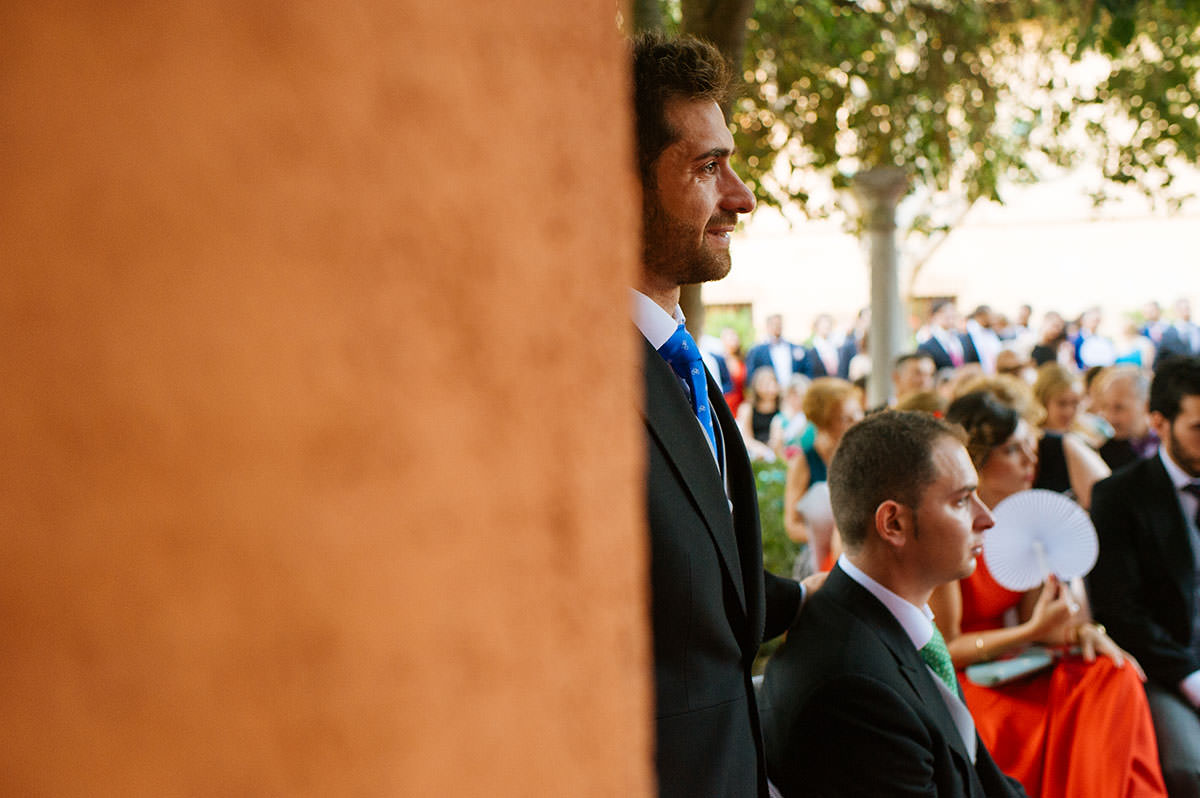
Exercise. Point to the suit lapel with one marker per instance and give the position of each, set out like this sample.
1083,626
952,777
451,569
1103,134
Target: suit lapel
863,605
935,342
1168,525
671,421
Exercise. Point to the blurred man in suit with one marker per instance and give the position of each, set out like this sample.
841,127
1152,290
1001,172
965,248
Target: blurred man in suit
1145,586
823,354
980,342
1181,337
943,343
861,699
712,602
785,357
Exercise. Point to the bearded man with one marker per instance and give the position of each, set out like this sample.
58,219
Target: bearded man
712,602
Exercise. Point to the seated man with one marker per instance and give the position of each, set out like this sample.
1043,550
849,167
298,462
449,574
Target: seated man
1121,393
851,706
1144,584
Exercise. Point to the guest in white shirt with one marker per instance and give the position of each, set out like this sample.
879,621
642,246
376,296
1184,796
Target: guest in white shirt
942,341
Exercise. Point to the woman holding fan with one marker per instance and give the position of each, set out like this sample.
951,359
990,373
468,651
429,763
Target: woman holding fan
1082,727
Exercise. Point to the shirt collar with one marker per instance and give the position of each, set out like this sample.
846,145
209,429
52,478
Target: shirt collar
917,621
655,323
1179,477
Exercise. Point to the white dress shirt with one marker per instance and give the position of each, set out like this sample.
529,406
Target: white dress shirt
783,360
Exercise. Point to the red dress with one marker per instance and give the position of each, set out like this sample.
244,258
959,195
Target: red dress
737,376
1079,729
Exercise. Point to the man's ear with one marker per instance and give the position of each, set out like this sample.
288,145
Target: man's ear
893,521
1160,425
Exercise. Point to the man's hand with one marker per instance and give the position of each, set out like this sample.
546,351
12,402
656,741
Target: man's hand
812,583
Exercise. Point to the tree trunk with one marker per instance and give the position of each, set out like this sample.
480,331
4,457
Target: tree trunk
647,15
722,22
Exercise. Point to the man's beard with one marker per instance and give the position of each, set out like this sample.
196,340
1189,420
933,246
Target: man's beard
673,250
1174,448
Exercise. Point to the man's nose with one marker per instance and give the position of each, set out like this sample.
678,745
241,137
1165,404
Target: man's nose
984,518
736,195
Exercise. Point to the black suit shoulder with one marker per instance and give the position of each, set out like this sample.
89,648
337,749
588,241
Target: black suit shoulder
1142,587
710,598
933,348
847,688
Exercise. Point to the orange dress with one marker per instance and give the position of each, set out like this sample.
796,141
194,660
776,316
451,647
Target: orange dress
1078,729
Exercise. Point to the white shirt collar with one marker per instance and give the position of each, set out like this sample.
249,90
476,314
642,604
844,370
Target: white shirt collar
655,323
1178,476
917,621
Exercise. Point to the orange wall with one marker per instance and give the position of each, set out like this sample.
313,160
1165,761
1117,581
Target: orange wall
305,489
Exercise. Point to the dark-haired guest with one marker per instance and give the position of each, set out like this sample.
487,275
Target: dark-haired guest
711,602
943,343
860,700
1145,585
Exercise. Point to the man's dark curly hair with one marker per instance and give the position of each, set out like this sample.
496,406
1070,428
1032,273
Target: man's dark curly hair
666,69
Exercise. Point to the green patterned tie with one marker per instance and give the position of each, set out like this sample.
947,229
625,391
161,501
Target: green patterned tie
937,656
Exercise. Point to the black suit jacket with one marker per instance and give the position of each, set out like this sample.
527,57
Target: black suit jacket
1143,585
815,366
1172,343
846,353
850,709
970,351
933,347
712,602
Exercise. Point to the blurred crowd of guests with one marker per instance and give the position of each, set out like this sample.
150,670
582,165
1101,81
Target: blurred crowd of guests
766,384
1058,407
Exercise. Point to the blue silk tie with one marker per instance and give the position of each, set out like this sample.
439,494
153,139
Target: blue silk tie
683,355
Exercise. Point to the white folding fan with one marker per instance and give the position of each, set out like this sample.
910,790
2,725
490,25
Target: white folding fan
1038,533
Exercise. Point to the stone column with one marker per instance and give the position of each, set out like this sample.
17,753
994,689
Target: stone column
878,191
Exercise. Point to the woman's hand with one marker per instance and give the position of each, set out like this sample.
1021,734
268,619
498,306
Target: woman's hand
1093,640
1054,613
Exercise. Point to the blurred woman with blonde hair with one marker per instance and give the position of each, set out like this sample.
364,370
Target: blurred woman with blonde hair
832,405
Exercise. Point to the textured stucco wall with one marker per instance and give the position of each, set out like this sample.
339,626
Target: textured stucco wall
304,488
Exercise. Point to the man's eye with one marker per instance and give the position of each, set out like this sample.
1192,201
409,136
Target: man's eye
710,167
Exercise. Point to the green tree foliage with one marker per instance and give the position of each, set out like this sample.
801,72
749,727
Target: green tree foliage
964,96
1152,90
779,552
